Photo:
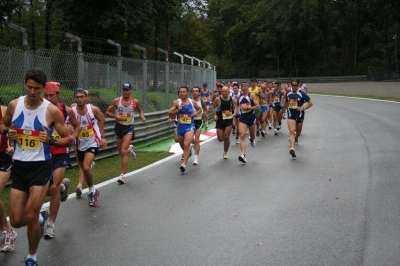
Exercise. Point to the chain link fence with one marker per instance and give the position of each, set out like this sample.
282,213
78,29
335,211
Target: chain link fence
155,83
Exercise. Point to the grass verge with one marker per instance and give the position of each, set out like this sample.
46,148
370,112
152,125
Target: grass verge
105,169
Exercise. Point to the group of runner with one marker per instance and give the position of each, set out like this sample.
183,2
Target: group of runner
37,131
238,109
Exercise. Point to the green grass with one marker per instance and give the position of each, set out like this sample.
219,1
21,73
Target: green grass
359,96
105,169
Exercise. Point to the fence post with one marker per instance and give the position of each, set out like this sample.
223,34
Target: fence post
145,86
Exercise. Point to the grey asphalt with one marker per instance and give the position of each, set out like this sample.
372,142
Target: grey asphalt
338,203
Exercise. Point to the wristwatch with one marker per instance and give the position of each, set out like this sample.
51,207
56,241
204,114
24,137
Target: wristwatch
5,132
52,142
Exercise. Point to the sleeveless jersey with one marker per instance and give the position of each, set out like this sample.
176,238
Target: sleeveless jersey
127,112
246,100
60,150
3,139
89,136
28,124
276,98
185,116
205,96
199,116
264,102
225,110
255,91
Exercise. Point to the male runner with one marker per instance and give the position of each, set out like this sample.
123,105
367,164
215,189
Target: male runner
28,122
186,109
123,110
198,122
7,234
294,101
224,109
248,103
91,137
206,95
254,89
58,189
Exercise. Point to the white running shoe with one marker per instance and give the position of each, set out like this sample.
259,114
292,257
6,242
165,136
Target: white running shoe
292,152
237,141
242,158
195,162
7,240
49,233
121,179
253,143
132,152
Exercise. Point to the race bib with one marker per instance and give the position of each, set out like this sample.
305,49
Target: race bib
55,135
227,114
86,133
293,103
263,102
198,117
126,117
185,118
28,139
276,100
205,99
245,110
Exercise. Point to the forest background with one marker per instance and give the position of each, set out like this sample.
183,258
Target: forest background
262,38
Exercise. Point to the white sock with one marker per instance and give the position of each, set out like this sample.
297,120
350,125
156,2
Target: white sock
41,220
31,256
184,165
92,189
62,188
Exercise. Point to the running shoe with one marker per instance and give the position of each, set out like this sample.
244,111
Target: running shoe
242,158
276,132
233,130
183,168
2,239
296,140
49,233
263,133
278,127
121,179
93,201
7,241
78,191
237,141
132,152
258,133
92,165
30,262
45,214
292,152
269,126
195,162
225,155
64,194
253,143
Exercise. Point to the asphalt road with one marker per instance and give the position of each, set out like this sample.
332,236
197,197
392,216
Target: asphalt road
338,203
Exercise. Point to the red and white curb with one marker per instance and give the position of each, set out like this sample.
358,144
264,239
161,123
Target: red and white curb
176,148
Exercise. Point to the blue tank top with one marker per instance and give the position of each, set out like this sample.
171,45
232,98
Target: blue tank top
186,115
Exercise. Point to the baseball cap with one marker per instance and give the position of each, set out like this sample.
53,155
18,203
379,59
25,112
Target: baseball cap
253,79
52,87
218,84
80,91
204,84
127,86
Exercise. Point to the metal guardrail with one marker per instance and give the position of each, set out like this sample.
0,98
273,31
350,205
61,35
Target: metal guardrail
154,129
